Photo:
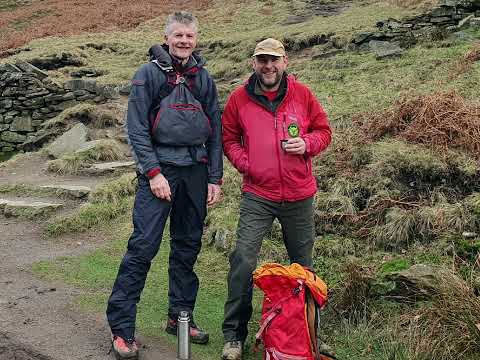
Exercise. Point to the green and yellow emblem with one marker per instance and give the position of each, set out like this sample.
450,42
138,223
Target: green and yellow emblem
293,130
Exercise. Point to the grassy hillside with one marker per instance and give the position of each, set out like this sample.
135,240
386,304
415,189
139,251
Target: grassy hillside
398,186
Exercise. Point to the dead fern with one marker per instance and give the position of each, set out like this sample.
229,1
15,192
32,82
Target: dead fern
441,121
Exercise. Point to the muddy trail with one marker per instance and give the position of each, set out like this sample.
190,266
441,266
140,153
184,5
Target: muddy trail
38,319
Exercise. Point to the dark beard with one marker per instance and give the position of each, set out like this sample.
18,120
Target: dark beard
278,78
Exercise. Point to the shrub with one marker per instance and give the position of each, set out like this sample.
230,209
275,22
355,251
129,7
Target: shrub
442,121
447,329
353,298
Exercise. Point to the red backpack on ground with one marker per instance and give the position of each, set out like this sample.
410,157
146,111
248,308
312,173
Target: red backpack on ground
293,297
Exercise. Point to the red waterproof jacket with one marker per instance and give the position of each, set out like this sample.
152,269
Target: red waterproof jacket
253,128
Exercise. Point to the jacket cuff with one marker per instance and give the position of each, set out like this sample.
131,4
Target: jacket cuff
244,168
216,182
153,172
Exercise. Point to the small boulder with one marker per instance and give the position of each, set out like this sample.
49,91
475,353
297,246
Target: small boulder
385,49
69,142
417,282
220,239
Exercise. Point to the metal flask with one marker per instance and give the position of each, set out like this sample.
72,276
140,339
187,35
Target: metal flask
183,336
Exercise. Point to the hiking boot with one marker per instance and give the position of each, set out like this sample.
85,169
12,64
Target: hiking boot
124,349
232,350
197,335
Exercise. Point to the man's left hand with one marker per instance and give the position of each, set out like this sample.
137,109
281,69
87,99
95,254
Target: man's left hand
214,194
295,146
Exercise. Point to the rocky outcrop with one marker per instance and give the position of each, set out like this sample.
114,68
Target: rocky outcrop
449,15
28,98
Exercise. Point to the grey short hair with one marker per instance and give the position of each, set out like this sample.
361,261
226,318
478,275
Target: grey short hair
181,17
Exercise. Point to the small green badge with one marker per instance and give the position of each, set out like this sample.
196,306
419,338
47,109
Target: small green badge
293,130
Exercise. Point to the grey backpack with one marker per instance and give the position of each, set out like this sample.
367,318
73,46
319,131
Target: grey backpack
178,118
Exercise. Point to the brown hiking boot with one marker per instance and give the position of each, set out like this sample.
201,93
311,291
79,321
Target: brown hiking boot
197,335
232,350
124,349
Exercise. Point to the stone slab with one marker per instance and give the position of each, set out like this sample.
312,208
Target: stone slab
73,191
23,208
113,165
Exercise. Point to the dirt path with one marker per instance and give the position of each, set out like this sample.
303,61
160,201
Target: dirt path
37,318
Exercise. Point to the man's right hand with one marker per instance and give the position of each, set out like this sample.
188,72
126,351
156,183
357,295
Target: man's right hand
160,187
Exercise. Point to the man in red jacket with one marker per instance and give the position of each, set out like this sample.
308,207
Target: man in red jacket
272,127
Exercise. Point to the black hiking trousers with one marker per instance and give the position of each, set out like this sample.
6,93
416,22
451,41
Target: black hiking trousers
187,212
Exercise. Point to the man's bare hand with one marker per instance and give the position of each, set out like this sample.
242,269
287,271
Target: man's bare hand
214,194
160,187
295,146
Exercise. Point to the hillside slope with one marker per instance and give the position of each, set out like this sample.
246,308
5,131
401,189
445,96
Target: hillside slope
398,211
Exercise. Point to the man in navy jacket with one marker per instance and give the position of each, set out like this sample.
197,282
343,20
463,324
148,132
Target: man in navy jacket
175,178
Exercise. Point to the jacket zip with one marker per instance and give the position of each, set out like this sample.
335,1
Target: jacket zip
280,168
282,187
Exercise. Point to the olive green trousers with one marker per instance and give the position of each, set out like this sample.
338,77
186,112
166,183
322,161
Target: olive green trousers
256,218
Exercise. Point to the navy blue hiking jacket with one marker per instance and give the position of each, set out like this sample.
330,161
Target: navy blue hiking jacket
149,85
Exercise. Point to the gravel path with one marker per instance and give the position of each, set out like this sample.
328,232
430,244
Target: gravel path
37,318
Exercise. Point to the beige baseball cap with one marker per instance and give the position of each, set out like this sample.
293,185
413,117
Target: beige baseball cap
269,47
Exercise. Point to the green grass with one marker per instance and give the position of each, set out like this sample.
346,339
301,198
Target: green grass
368,341
95,273
107,202
395,265
27,190
5,156
115,190
6,5
91,215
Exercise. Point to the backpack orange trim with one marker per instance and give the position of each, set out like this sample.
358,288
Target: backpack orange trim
296,271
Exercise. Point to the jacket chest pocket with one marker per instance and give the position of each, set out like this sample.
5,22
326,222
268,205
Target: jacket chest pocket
293,125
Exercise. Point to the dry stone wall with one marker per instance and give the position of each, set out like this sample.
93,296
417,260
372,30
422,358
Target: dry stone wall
447,16
28,98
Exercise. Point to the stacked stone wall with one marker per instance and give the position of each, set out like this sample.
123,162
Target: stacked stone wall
28,98
448,16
